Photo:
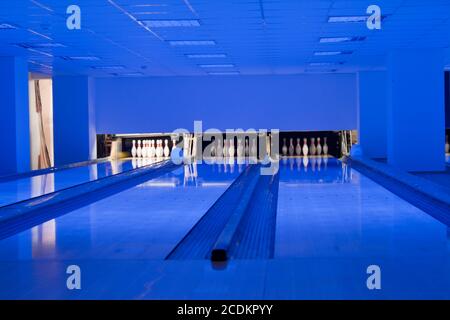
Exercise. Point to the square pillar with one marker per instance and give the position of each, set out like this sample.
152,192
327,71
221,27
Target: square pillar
73,119
14,119
416,117
372,113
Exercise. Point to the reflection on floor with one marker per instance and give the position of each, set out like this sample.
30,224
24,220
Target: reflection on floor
332,224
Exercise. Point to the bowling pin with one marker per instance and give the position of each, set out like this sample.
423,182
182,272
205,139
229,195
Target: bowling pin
312,147
240,149
253,150
144,148
291,147
213,148
247,148
219,152
134,150
174,144
166,148
284,149
325,146
225,148
298,149
139,149
231,148
319,147
447,145
160,148
152,149
305,147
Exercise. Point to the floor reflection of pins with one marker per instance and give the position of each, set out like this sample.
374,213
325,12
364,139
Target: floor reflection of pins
298,161
319,163
134,163
305,163
231,163
313,164
291,163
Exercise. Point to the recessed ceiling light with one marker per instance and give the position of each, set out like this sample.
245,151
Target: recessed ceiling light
229,65
170,23
212,55
192,42
331,53
7,26
230,73
340,39
108,67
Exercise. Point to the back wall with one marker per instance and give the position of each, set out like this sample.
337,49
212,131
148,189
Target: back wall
288,103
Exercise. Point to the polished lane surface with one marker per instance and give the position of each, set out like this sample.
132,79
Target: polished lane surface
30,187
333,223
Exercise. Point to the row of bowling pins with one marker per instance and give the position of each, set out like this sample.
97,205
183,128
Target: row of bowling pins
313,149
150,149
229,150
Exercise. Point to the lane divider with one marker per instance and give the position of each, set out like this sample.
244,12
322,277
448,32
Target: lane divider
201,238
22,215
39,172
425,195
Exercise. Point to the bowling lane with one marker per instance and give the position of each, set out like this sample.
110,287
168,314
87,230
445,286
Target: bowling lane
144,222
30,187
336,212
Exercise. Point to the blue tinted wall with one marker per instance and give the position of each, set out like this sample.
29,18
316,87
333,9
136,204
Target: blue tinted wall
298,102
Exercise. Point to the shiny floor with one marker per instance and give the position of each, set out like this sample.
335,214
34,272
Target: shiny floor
30,187
332,224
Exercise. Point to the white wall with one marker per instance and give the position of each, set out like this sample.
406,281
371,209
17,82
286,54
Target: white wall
298,102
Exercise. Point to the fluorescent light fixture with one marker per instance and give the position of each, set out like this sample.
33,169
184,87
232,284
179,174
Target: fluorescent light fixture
47,45
40,64
192,42
206,56
148,5
340,39
149,13
335,39
40,52
229,73
108,67
81,58
320,71
350,19
337,19
7,26
229,65
331,53
39,34
130,74
40,45
170,23
324,64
